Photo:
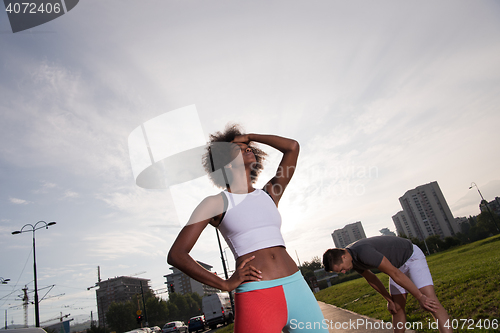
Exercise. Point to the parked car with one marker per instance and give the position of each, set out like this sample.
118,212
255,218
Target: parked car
174,327
196,324
155,329
217,309
140,330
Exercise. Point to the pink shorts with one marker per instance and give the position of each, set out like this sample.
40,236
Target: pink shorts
416,270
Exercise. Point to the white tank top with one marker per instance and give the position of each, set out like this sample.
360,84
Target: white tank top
252,222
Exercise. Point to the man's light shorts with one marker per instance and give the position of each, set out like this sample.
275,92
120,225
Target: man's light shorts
416,270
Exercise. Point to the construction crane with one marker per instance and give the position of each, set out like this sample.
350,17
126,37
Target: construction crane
25,306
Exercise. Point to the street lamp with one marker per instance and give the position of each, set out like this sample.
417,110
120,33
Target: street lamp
34,228
487,206
224,267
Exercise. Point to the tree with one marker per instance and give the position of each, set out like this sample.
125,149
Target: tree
472,220
183,307
96,329
488,221
121,317
308,267
194,304
180,302
173,311
434,243
465,227
157,310
450,242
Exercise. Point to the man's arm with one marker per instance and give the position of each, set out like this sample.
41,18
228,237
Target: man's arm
402,280
376,284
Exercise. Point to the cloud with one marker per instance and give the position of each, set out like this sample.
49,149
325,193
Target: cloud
19,201
70,194
46,184
137,204
63,123
45,187
113,244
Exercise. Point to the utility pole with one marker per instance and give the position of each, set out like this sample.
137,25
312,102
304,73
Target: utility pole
224,267
97,299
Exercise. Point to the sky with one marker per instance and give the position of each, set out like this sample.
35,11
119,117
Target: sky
382,96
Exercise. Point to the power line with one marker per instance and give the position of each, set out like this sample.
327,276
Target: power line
19,278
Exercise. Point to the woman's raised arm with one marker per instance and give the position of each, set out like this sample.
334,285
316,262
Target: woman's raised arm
290,149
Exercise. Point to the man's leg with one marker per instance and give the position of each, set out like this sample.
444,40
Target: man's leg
399,319
441,316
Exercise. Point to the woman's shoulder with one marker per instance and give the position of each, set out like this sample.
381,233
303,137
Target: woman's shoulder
213,199
209,208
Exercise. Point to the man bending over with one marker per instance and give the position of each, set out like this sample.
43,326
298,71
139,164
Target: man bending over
406,266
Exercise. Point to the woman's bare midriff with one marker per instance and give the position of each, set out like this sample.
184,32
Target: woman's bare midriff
273,262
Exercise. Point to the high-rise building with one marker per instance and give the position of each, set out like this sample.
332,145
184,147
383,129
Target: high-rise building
348,234
119,289
425,213
403,225
179,282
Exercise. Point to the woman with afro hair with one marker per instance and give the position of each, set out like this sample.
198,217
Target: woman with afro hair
271,295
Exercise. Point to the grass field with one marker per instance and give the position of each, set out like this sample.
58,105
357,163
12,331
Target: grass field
467,282
228,329
466,279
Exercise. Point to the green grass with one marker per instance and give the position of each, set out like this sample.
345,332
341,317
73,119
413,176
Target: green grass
466,279
227,329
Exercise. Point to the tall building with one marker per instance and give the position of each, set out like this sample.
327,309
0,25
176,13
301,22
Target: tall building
403,225
348,234
119,289
179,282
425,213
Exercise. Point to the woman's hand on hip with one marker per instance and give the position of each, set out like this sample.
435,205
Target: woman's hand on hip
244,272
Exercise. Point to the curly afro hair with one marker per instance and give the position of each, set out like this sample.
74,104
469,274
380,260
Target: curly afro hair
219,153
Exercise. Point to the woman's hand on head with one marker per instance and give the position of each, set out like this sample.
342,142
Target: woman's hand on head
244,272
245,138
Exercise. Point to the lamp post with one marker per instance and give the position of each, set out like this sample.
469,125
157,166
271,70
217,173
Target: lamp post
224,267
487,207
34,228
